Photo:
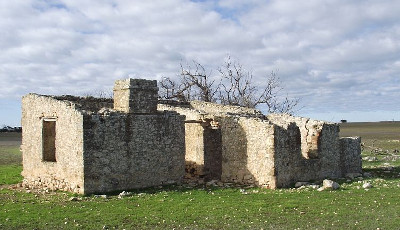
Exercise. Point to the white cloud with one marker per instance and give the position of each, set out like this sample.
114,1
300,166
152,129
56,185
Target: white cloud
337,55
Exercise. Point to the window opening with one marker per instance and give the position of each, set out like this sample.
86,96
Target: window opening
49,140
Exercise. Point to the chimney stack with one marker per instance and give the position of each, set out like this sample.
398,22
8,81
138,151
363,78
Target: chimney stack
136,96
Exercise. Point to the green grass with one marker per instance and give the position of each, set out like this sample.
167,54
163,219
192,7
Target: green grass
10,174
196,208
10,158
10,155
180,207
379,140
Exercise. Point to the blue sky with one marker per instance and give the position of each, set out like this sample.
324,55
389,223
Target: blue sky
342,58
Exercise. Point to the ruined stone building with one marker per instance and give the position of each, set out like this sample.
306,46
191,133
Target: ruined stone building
91,145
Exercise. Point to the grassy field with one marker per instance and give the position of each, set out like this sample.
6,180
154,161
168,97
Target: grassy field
10,158
184,207
385,135
380,141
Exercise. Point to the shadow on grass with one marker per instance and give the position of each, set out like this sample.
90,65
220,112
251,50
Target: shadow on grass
384,172
172,188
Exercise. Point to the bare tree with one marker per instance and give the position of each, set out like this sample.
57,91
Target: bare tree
169,89
235,87
194,84
238,88
99,94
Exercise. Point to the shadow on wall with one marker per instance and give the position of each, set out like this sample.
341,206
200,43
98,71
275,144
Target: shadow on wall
290,163
315,156
238,158
217,152
203,151
253,151
212,153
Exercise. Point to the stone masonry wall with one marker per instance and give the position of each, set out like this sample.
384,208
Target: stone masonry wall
273,151
247,150
351,161
294,138
195,139
217,109
66,173
288,154
310,131
127,151
240,150
86,104
194,156
136,96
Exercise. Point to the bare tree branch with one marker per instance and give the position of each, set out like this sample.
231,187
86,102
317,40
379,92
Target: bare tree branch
194,84
235,87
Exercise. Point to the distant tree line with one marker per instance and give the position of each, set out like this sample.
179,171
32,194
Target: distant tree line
233,85
7,128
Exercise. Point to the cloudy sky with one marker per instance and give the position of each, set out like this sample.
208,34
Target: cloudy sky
342,58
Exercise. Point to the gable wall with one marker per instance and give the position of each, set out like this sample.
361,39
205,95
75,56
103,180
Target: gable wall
67,172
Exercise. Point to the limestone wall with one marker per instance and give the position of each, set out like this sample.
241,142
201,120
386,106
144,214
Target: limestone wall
135,96
351,161
217,109
66,172
194,156
310,131
273,151
191,114
82,144
287,156
86,104
305,149
239,150
247,150
194,138
126,151
88,148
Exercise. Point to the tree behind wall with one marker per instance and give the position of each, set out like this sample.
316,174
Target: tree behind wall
193,84
233,86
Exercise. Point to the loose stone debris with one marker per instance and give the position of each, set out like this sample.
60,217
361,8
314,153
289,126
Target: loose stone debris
75,199
124,194
329,185
367,185
300,183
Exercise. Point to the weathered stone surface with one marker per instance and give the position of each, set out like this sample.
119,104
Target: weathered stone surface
89,145
298,157
239,150
98,149
329,185
273,151
370,158
367,185
133,151
135,96
300,183
67,173
350,149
